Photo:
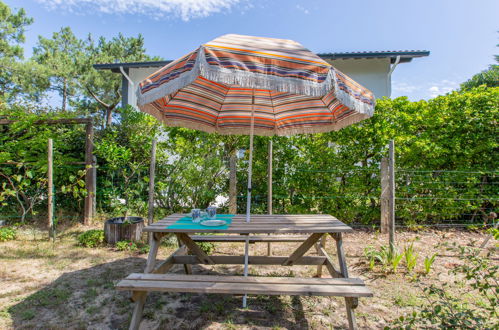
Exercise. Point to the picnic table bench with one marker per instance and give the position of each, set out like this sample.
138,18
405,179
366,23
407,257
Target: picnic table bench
318,227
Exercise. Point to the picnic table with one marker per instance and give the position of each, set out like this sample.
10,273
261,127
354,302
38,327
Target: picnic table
314,227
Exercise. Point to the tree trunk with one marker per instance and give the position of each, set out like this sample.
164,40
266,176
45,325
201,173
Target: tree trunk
64,94
233,182
109,116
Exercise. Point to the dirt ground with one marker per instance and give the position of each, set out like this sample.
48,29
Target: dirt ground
62,285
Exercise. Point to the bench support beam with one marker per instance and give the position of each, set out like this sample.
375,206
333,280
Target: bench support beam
253,260
194,248
302,249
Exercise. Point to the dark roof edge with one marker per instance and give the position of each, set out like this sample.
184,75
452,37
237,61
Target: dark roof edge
115,67
405,56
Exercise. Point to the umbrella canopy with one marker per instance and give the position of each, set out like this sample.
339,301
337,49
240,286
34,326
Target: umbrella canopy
289,90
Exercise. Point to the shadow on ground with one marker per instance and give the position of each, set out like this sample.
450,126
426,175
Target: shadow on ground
86,299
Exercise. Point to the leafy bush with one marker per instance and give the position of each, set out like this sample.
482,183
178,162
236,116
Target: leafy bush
7,234
126,246
335,172
494,232
207,247
132,246
468,309
91,238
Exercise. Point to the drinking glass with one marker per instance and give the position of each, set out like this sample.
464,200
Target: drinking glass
196,215
212,212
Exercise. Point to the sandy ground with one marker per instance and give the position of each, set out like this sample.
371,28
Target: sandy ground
61,286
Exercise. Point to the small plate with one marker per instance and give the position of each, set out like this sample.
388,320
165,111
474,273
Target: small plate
213,223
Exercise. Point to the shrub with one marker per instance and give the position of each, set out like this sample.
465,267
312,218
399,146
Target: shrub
467,309
91,238
207,247
7,234
126,246
132,246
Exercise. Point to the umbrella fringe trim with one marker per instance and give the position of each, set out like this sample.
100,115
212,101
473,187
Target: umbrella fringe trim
170,87
254,80
355,118
350,101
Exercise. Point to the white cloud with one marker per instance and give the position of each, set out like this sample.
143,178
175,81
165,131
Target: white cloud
443,87
403,88
303,9
423,90
184,9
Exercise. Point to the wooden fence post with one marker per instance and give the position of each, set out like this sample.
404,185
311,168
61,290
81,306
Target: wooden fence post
94,185
89,174
269,193
391,170
50,178
233,182
152,176
385,196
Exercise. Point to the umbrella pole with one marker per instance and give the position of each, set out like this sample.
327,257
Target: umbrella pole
250,165
248,198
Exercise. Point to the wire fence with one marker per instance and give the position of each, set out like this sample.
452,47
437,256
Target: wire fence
447,198
424,197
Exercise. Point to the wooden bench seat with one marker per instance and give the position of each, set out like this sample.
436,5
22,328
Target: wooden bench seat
252,239
342,287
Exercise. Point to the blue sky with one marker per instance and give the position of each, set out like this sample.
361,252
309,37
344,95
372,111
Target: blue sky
461,35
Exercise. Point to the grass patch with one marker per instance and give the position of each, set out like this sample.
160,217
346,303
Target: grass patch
28,315
90,294
50,297
407,300
92,310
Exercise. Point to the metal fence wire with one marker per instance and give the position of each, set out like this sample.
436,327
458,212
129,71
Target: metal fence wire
423,197
446,198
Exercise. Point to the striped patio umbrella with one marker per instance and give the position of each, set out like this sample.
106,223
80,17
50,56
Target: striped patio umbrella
226,82
239,84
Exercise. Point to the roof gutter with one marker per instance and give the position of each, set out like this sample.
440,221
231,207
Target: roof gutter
389,76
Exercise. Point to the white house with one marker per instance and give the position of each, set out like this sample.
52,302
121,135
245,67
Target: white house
371,69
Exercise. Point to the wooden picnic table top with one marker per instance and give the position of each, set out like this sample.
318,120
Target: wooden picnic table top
262,223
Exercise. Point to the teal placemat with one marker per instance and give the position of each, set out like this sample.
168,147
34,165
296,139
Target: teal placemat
186,223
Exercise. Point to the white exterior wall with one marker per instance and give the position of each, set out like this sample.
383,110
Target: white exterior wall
370,73
137,75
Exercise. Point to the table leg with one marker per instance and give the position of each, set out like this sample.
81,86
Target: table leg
350,302
318,245
246,262
140,297
269,248
187,268
137,310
